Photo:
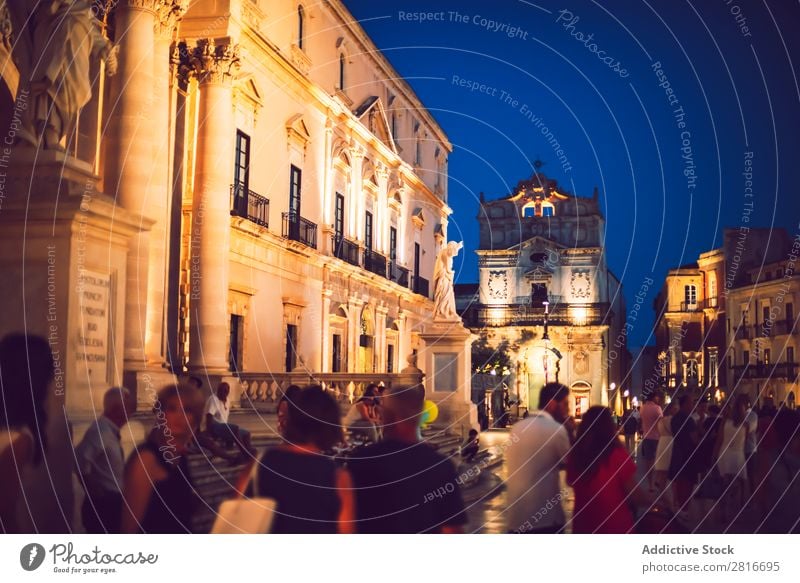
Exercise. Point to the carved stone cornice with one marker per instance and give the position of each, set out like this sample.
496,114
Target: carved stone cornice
168,13
212,61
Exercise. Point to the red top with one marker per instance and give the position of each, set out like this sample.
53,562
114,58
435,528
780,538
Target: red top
600,503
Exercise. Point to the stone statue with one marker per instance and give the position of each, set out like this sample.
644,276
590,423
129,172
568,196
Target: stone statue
56,41
444,300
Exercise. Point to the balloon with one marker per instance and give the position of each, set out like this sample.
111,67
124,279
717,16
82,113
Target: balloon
429,412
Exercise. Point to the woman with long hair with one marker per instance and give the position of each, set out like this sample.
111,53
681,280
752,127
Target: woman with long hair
313,495
26,370
602,473
158,494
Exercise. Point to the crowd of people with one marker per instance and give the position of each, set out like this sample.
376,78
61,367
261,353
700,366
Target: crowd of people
695,459
721,466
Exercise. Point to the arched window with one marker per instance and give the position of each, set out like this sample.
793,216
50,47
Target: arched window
341,71
301,22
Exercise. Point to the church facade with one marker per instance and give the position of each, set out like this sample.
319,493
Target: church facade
547,297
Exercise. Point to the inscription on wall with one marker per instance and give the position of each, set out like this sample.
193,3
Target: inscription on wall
93,301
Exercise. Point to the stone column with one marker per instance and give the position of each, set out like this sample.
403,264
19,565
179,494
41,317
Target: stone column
403,349
129,159
214,61
167,15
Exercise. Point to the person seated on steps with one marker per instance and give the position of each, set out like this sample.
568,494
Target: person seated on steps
469,449
215,417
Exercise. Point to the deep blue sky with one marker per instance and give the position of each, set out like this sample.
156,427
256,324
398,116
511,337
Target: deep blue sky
739,93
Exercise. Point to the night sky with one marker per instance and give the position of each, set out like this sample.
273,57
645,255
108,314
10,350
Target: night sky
670,179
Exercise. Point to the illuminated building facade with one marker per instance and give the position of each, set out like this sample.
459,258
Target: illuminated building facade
546,289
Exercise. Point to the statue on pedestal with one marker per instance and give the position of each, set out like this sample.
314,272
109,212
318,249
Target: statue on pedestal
444,300
56,42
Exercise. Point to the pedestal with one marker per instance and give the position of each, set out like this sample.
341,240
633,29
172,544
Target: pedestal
447,362
63,250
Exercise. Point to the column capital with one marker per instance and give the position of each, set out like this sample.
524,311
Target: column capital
168,13
144,5
213,61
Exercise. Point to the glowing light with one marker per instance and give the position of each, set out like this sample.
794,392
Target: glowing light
613,386
626,394
578,315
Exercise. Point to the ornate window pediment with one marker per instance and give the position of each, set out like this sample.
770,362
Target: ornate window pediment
297,131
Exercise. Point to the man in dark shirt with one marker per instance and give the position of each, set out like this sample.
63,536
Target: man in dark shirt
402,485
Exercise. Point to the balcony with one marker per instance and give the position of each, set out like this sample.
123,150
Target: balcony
296,228
399,275
421,286
478,316
375,262
785,370
776,328
249,205
345,249
710,303
690,306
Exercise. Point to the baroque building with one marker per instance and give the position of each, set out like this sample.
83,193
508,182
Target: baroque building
727,324
288,191
546,293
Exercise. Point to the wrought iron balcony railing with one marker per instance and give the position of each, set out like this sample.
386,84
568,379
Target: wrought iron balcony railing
296,228
399,274
421,286
375,262
250,205
784,370
523,315
345,249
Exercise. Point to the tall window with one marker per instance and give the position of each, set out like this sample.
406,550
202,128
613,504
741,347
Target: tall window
713,369
767,356
341,71
790,312
690,295
416,260
368,231
765,314
390,358
712,285
745,357
393,245
336,354
295,183
418,152
291,347
338,218
394,126
295,180
301,23
790,354
241,173
236,343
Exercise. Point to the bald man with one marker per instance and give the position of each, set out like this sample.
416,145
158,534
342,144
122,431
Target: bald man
402,484
101,464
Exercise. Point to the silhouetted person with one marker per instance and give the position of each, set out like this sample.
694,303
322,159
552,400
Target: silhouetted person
101,464
404,485
313,494
26,371
603,475
159,496
538,450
